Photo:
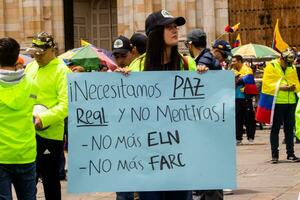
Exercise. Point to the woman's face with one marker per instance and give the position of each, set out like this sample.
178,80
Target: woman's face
171,35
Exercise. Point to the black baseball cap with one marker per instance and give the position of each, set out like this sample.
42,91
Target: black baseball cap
139,41
161,18
223,46
121,45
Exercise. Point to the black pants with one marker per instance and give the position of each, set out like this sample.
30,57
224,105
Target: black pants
283,113
166,195
210,194
125,196
47,164
244,115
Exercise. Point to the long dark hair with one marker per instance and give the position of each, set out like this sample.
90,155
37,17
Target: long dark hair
155,52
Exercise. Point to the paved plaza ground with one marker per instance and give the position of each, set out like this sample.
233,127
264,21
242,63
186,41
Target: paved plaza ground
257,178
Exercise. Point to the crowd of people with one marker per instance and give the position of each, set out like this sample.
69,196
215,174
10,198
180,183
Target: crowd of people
34,101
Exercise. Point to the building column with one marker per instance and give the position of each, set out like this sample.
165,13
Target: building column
33,21
222,18
21,22
209,23
125,21
132,15
2,19
55,19
191,13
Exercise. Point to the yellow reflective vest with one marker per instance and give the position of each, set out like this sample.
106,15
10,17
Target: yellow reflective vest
17,133
274,77
53,93
297,118
138,64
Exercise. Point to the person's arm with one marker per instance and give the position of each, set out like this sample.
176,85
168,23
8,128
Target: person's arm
204,61
239,80
288,87
60,111
209,61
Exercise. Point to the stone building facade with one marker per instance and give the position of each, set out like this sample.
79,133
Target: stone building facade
209,15
20,19
100,21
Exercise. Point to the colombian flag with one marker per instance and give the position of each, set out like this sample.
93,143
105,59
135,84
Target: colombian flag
250,86
237,42
278,44
84,43
231,29
246,74
270,86
265,108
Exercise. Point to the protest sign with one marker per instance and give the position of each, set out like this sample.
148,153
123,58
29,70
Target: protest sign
151,131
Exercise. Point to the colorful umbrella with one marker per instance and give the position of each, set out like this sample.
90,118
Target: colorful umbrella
255,51
69,54
89,57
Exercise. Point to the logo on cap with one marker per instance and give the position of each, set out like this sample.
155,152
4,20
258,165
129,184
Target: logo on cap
166,14
118,44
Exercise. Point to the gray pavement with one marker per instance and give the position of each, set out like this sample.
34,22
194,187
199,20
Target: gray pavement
257,178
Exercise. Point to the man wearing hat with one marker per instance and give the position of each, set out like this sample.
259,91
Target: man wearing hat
196,44
277,103
221,50
50,75
122,51
207,60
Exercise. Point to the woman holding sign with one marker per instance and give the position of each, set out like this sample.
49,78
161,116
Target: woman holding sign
162,55
162,47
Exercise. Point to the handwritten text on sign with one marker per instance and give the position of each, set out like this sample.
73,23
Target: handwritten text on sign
151,131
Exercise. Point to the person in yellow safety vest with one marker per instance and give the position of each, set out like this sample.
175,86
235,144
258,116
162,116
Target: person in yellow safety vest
162,55
297,118
139,43
278,102
17,134
122,51
50,75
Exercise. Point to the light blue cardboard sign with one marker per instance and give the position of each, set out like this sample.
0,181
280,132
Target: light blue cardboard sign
151,131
